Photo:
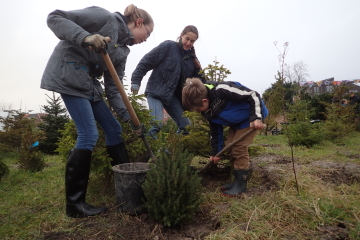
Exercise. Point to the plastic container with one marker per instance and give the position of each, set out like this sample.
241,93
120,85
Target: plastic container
128,180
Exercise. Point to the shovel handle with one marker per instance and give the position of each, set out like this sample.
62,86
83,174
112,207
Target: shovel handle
123,95
247,133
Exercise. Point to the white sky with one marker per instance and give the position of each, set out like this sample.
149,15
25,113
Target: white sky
324,34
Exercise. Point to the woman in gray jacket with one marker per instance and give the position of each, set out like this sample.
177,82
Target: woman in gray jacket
73,71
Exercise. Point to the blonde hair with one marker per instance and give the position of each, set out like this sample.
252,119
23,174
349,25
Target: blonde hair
193,92
132,13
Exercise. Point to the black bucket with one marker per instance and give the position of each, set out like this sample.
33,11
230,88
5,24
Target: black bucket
128,180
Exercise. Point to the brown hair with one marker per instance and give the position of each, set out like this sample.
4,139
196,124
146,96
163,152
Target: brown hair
189,28
132,13
193,29
193,92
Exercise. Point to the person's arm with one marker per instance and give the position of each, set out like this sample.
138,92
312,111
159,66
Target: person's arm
216,141
217,138
75,25
150,61
113,94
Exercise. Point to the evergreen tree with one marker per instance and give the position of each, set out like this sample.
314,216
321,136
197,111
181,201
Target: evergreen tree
172,190
215,73
340,120
14,127
54,120
30,158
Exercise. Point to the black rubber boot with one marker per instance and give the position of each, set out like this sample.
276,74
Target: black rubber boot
76,181
118,154
239,185
227,186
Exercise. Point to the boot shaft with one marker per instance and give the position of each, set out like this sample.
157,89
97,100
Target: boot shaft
118,154
241,177
77,175
240,183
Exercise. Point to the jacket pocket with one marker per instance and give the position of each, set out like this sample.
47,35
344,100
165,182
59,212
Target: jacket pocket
75,75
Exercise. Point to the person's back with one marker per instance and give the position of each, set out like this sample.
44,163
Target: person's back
233,105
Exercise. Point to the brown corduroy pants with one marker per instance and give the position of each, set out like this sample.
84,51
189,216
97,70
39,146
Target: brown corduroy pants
239,155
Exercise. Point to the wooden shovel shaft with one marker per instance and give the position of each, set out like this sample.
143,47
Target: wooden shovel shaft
123,95
219,154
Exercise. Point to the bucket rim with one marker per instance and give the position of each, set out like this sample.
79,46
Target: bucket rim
115,168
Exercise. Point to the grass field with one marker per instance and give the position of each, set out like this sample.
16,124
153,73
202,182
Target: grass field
32,204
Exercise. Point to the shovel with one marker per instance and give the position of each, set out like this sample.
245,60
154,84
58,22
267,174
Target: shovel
210,163
123,95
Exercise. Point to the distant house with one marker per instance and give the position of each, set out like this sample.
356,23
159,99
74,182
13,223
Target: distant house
327,85
36,116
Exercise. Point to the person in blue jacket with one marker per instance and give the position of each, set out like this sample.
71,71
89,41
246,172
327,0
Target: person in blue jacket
230,104
172,62
73,71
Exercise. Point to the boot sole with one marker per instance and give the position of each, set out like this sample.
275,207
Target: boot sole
237,195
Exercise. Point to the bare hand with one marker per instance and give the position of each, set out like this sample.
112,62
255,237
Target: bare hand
214,159
257,124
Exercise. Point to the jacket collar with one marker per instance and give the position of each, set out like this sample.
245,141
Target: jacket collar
125,37
184,52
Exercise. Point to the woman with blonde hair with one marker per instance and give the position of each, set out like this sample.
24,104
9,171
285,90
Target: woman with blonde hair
73,71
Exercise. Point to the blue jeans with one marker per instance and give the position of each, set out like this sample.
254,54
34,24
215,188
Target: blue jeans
85,113
175,110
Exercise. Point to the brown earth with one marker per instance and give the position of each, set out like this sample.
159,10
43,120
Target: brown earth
268,168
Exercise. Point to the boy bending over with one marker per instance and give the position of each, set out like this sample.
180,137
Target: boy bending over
233,105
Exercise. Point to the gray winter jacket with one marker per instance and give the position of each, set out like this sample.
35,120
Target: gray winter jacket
169,67
73,69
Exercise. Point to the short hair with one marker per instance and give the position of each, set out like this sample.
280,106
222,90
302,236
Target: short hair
193,92
132,13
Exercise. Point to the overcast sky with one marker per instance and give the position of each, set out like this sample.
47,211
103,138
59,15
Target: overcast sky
324,34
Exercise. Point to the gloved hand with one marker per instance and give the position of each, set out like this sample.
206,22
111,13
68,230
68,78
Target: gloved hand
135,88
96,42
139,130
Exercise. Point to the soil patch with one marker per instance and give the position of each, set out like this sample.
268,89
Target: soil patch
335,172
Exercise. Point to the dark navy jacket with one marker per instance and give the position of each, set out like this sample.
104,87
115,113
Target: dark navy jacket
234,105
166,61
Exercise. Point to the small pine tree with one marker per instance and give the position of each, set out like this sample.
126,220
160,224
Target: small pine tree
30,158
197,142
14,127
215,73
172,190
340,120
54,121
